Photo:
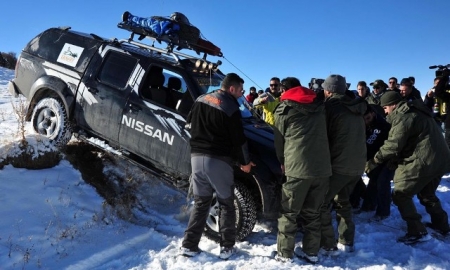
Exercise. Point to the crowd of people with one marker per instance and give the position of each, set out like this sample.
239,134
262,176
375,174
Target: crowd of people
325,142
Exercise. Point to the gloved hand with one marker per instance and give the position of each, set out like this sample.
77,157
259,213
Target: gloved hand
370,165
391,165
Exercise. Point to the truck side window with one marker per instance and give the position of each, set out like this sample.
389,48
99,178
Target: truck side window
117,69
163,86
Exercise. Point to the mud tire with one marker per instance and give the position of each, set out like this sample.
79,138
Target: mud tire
245,214
50,119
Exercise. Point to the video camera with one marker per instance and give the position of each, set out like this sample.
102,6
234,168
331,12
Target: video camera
316,84
442,70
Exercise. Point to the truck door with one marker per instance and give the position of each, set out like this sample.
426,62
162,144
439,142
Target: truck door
104,94
155,130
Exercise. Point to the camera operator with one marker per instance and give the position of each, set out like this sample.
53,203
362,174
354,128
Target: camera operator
441,91
435,104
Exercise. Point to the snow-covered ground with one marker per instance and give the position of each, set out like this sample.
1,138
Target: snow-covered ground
53,219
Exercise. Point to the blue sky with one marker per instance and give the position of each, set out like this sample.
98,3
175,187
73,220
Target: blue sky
359,39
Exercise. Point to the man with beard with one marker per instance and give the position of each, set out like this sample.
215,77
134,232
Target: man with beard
217,139
269,100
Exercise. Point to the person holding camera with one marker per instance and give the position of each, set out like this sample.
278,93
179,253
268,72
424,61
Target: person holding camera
436,104
442,91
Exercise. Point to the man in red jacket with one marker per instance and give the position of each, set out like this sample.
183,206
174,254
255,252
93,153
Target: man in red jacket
252,95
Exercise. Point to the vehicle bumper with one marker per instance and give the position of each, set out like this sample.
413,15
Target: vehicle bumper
12,88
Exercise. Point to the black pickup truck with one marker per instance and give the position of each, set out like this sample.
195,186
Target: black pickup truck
136,97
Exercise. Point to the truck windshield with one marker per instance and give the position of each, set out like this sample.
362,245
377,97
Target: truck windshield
213,82
208,84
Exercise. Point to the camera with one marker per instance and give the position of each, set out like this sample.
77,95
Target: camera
316,84
442,70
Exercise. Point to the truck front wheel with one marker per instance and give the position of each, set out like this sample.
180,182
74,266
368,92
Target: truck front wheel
245,206
50,119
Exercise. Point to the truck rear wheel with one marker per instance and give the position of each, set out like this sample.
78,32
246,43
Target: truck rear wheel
50,119
245,214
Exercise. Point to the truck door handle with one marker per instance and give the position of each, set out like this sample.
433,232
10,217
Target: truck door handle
93,90
134,107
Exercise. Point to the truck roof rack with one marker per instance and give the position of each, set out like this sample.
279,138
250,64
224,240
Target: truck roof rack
172,42
178,56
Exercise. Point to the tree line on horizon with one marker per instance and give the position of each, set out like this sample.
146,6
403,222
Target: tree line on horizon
8,60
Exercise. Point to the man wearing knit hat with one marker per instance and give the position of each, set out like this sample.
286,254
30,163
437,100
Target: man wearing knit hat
416,146
347,141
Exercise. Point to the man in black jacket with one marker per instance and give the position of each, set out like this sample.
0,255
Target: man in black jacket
441,91
346,136
217,137
408,91
378,193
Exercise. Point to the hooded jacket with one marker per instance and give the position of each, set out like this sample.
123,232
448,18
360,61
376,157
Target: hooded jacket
300,135
346,134
415,143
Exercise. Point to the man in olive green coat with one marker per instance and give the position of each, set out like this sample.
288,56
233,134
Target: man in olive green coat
416,145
347,140
301,145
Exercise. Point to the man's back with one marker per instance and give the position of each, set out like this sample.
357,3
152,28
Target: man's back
216,126
346,133
416,142
302,126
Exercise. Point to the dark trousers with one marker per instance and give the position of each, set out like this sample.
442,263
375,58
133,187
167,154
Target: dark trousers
304,198
447,134
358,193
425,189
378,192
211,175
341,186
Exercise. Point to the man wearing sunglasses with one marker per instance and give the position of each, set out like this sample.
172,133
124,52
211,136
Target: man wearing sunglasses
393,82
379,88
269,100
